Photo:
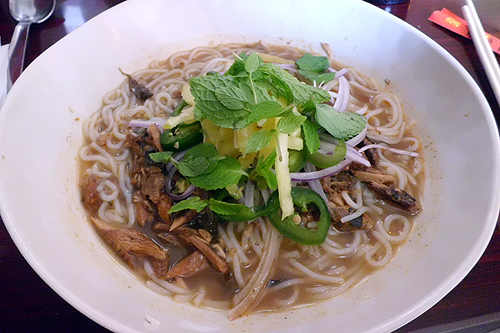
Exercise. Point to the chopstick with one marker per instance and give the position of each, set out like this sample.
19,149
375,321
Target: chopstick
483,48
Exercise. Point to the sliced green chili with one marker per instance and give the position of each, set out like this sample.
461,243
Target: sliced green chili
179,108
325,161
302,197
182,136
296,160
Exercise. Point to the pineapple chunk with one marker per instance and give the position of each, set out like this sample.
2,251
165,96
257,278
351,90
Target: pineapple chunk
275,59
221,138
186,94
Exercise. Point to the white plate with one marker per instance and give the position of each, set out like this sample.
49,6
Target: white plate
40,133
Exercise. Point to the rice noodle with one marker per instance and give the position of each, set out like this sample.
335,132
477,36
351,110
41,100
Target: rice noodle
247,297
254,250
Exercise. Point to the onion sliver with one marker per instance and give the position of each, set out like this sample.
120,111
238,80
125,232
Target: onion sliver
168,184
353,142
308,176
145,123
394,150
315,185
357,139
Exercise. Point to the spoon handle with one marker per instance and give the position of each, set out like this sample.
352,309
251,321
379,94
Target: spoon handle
17,50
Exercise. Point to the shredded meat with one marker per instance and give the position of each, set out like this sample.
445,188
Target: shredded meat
371,154
188,266
383,184
90,196
333,187
153,185
183,219
143,210
338,212
217,262
183,234
170,239
152,205
129,244
399,198
194,238
149,197
362,222
164,205
369,175
155,134
160,267
134,144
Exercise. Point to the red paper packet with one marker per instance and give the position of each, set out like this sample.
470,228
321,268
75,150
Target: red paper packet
458,25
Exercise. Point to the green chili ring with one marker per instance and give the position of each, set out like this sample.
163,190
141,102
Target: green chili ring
297,159
302,197
181,137
325,161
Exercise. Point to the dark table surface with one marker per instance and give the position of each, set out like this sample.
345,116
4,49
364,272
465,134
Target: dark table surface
27,304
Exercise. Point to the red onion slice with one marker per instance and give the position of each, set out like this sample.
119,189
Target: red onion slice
353,142
179,156
160,122
339,73
308,176
357,139
168,189
315,185
342,95
394,150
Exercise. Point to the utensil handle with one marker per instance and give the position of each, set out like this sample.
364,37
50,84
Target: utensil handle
17,50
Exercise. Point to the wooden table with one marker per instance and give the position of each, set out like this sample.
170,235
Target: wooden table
27,304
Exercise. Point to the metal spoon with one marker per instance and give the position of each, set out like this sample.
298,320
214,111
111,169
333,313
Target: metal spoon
25,12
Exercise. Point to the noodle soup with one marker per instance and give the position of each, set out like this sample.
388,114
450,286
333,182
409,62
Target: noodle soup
136,177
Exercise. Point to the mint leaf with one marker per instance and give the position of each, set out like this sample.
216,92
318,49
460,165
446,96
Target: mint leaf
238,68
258,140
267,109
208,104
268,162
290,123
263,172
228,100
238,212
261,93
318,78
232,97
314,64
204,167
311,136
340,125
192,203
198,160
270,178
253,62
161,156
314,68
226,208
226,171
193,166
300,92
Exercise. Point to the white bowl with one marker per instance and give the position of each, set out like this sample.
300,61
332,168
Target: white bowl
40,134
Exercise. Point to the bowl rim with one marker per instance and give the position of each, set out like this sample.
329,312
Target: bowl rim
428,302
